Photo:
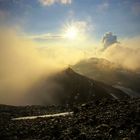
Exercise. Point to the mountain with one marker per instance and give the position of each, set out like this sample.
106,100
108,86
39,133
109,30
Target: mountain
69,87
110,73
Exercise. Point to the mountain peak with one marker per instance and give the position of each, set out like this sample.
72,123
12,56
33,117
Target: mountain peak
69,70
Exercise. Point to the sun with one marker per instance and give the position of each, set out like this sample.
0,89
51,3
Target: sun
71,32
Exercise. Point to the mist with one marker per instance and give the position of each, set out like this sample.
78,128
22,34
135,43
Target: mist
21,65
25,62
125,53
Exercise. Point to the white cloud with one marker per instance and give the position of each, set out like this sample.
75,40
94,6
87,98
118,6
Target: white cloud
50,2
44,37
65,1
125,54
24,62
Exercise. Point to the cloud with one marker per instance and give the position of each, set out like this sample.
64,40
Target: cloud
21,65
82,27
45,37
50,2
125,54
24,62
109,39
132,43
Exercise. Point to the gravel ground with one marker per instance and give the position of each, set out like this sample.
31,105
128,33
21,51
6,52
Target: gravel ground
104,119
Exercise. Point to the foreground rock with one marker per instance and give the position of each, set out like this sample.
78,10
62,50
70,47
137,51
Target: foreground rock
105,119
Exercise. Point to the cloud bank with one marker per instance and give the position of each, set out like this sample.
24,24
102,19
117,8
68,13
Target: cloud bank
126,54
24,63
21,65
45,37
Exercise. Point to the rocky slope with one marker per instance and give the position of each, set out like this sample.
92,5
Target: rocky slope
105,119
68,88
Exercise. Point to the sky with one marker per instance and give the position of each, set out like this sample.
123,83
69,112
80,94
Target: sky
49,17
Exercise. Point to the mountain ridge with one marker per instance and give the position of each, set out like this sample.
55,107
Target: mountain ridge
71,87
109,73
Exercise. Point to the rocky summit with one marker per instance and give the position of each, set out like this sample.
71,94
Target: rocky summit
105,119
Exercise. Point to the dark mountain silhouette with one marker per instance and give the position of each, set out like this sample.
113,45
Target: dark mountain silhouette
110,73
69,87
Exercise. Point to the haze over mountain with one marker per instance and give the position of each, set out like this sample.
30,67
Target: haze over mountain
110,73
69,87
